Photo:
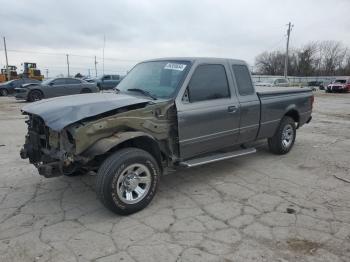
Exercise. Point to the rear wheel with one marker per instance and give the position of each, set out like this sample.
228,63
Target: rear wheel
283,140
4,92
85,91
35,95
127,181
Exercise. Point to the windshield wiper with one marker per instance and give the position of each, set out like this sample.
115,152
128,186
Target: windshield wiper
144,92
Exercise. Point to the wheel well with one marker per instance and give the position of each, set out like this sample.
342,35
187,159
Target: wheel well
144,143
84,89
293,114
38,90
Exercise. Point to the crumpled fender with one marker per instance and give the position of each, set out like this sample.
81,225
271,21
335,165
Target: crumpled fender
105,144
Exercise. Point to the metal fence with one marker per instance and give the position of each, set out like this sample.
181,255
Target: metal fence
297,79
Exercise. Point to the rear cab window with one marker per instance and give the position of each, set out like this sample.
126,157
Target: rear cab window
208,82
243,79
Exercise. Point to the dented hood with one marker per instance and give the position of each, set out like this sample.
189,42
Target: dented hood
62,111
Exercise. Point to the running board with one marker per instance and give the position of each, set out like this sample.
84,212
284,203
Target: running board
216,157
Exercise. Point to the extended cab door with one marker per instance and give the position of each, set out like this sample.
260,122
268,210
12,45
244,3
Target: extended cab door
249,104
208,110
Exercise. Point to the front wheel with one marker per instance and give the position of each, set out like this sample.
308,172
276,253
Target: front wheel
127,181
85,91
283,140
4,92
35,95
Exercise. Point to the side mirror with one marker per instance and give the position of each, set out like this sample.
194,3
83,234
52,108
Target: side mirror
51,83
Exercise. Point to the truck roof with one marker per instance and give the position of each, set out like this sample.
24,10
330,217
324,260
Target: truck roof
201,60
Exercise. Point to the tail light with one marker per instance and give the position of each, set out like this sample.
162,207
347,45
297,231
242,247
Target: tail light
312,100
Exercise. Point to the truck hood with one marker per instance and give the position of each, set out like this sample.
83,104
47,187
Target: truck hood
60,112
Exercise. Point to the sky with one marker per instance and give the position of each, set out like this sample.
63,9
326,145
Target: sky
44,31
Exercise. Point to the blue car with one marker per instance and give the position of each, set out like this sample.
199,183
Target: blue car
108,81
9,86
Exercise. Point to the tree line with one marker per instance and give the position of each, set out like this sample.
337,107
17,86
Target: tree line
326,58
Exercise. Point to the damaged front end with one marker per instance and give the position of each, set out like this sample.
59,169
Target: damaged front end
50,151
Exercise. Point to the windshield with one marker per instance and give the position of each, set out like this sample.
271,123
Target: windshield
46,81
342,81
159,79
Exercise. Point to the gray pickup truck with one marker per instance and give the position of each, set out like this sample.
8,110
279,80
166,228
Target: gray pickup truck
167,114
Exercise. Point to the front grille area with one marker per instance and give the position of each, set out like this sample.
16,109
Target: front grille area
37,139
40,132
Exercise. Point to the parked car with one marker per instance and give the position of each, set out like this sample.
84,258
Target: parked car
316,85
339,85
106,82
54,87
9,86
284,82
168,114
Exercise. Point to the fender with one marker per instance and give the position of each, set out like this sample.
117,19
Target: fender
289,108
105,144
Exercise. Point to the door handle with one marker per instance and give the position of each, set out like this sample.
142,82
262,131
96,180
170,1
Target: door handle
232,109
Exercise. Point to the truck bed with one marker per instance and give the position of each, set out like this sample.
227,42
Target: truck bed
266,91
276,101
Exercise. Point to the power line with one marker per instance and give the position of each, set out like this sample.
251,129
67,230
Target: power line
63,54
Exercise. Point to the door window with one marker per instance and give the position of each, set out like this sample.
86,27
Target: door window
115,77
60,81
244,81
207,83
72,81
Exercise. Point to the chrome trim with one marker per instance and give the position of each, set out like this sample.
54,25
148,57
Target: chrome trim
215,158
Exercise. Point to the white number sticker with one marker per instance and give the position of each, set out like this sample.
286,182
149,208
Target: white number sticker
173,66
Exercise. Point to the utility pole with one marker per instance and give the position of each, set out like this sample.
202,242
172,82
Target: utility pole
290,26
89,72
68,64
103,55
7,62
95,67
47,73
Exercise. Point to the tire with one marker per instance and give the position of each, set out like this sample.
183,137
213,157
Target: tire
85,91
283,140
118,184
35,95
4,92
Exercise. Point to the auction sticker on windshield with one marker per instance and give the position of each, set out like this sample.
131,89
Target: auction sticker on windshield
174,66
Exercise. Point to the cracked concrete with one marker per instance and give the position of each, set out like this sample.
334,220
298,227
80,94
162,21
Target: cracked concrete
260,207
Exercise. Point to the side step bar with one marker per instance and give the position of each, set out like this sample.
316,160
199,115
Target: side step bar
217,157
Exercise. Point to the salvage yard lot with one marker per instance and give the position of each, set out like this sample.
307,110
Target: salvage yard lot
261,207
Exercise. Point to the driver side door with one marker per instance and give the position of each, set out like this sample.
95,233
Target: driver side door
56,87
208,113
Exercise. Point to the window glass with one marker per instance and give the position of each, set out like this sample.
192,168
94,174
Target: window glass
59,81
208,82
159,78
107,78
115,77
244,81
72,81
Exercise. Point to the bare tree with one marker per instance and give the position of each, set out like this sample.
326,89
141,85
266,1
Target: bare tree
315,58
270,63
332,56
